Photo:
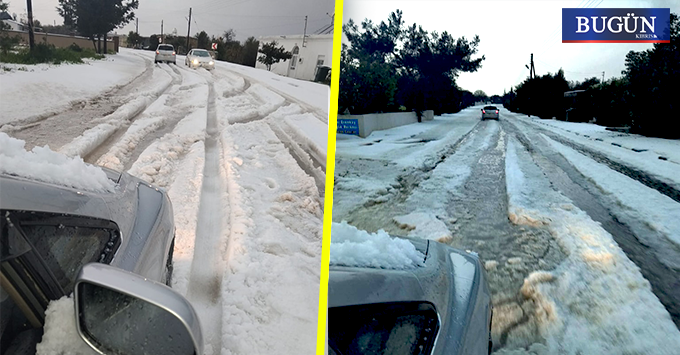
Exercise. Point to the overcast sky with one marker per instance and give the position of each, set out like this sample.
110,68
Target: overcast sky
509,32
246,17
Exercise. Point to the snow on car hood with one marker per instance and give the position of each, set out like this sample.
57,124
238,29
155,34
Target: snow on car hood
353,247
45,165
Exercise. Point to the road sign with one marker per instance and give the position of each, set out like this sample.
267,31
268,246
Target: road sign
160,39
348,126
214,46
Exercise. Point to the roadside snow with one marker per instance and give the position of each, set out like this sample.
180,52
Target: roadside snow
313,94
43,164
367,168
50,89
596,301
598,139
353,247
644,203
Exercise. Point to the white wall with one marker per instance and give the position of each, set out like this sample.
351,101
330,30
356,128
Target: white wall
380,121
305,66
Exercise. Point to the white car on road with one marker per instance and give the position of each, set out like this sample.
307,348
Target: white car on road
199,58
166,53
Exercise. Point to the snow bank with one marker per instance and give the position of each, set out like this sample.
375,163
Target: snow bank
596,301
619,147
50,89
60,331
353,247
43,164
659,211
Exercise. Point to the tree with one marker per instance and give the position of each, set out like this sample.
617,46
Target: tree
96,18
271,54
3,8
585,84
134,39
389,67
203,41
480,95
250,47
653,76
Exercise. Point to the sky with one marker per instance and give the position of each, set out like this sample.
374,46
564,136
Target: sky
509,32
246,17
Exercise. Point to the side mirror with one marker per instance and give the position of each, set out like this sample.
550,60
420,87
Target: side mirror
118,312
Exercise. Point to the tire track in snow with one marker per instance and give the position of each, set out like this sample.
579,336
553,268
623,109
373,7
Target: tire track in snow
207,268
159,119
109,125
61,128
95,154
107,102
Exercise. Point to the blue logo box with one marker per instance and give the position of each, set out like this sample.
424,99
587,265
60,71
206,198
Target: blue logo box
348,126
616,25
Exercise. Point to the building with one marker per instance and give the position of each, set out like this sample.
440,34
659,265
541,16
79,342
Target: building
8,20
308,56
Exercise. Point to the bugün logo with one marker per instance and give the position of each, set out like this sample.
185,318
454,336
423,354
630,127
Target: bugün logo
616,24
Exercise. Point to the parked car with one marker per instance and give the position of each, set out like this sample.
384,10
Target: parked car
165,53
199,58
111,249
441,307
490,112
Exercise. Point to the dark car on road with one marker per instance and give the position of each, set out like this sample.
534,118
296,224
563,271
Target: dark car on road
49,232
490,112
440,307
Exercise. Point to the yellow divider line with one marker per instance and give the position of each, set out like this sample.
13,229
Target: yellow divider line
330,170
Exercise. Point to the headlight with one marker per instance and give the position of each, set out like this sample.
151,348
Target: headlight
211,63
195,61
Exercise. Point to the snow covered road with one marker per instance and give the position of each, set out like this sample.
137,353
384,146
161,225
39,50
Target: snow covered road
244,165
577,262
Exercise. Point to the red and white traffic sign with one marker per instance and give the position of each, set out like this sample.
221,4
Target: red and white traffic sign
214,46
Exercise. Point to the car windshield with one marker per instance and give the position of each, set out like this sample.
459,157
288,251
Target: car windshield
165,47
407,328
201,53
490,108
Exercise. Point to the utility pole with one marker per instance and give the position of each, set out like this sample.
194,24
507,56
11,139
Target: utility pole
137,25
188,30
532,70
31,37
162,31
304,35
602,77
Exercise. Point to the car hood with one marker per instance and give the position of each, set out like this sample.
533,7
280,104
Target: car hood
450,279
